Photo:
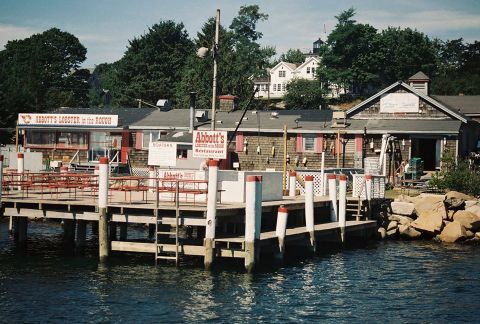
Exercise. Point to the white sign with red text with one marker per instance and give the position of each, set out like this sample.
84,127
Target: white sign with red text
210,144
162,153
70,120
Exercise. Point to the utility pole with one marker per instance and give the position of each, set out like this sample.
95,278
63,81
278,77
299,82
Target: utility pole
215,50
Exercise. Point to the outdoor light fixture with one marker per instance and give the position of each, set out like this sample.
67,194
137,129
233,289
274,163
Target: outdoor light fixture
273,151
259,150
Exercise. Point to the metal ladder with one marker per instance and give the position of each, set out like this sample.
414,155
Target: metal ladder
355,207
160,254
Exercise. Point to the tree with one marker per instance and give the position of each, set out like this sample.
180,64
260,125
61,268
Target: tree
347,58
292,56
40,73
304,94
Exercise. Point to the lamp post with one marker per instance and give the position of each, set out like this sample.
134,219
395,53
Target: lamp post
201,53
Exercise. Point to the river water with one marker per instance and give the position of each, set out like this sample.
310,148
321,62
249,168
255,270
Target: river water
384,282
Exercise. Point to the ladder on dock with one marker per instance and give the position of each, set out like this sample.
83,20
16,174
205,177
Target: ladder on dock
355,207
160,254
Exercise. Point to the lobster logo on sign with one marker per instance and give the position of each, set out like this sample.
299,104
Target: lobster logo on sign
26,119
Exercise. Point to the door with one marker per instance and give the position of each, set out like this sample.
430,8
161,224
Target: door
426,149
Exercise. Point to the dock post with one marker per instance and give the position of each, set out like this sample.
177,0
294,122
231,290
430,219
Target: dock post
309,214
10,221
21,228
123,231
281,230
112,227
368,194
20,168
81,233
102,208
342,205
332,194
322,175
292,184
69,231
253,214
209,242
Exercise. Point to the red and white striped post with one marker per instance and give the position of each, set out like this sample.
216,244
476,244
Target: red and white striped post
368,192
332,194
253,214
342,205
20,168
280,230
209,242
152,174
322,175
102,208
309,210
292,184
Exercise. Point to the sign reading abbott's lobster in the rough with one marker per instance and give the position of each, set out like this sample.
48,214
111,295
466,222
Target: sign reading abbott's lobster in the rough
210,144
70,120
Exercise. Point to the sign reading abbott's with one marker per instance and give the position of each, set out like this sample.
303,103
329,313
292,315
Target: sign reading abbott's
71,120
210,144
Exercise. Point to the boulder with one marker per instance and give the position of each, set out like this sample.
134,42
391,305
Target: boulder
453,232
449,214
426,202
454,203
469,220
469,234
404,198
477,235
392,232
458,195
392,225
382,233
475,209
408,231
430,221
470,203
402,208
404,220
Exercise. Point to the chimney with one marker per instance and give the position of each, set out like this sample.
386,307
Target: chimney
192,111
228,103
420,82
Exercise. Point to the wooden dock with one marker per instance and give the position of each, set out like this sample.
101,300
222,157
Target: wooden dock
177,227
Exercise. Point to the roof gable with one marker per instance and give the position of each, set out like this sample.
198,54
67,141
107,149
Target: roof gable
308,61
289,66
355,110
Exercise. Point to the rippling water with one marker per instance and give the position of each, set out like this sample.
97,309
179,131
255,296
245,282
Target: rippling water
386,282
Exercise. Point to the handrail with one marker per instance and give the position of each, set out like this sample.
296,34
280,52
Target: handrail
76,155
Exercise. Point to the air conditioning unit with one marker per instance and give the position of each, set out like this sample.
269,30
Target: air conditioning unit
201,115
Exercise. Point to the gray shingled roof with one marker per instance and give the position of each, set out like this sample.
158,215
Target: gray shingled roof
468,105
419,76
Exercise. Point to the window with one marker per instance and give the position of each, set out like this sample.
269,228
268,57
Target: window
308,70
53,139
264,87
151,136
279,87
281,74
313,70
36,138
308,143
283,87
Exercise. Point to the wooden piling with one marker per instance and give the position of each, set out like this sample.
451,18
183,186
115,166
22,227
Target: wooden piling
280,231
253,205
292,184
81,233
309,212
21,229
209,242
342,205
69,231
123,231
102,208
332,194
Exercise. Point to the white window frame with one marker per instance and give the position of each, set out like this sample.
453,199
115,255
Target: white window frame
308,70
282,74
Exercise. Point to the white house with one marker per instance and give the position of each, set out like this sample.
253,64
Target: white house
281,74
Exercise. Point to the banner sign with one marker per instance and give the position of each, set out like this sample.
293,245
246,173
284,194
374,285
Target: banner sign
70,120
399,103
162,153
210,144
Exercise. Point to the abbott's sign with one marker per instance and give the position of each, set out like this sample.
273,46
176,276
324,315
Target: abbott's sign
210,144
71,120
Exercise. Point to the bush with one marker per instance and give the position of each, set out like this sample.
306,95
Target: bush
457,176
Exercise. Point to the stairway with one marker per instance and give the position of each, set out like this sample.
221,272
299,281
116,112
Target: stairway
355,208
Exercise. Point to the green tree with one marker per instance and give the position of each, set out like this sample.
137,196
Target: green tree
304,94
40,73
292,56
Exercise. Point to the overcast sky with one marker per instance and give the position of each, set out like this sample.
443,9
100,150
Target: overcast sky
105,26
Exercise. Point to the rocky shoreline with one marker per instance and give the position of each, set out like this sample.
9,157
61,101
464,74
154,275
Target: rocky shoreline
450,218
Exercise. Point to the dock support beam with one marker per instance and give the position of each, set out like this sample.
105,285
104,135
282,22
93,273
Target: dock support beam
69,231
209,242
332,194
81,233
309,214
102,208
123,231
280,231
342,205
292,184
21,228
253,218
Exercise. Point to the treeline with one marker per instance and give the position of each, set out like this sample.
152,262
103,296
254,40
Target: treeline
43,72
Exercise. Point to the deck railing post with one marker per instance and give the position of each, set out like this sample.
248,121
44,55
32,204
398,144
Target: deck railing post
292,184
309,210
209,242
342,205
281,230
253,214
102,208
332,194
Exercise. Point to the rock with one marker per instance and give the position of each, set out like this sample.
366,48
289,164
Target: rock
409,232
457,195
430,221
392,232
454,203
404,220
471,203
404,198
426,202
449,214
382,233
453,232
392,225
475,209
469,234
469,220
402,208
477,235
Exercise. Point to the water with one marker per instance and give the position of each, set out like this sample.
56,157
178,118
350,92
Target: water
386,282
